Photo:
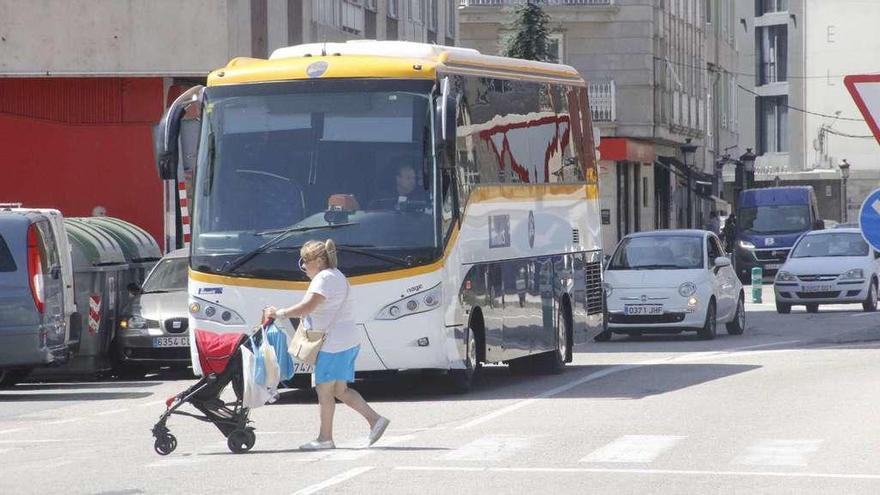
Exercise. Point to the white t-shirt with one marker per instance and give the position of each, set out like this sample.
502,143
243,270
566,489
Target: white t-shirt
332,284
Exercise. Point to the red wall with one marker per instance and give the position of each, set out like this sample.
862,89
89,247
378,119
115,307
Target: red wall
76,143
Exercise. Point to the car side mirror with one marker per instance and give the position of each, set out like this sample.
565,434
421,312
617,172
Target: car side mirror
134,289
722,261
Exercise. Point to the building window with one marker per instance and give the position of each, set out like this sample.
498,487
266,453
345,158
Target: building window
415,11
352,16
394,9
432,15
451,8
773,53
769,6
555,48
773,124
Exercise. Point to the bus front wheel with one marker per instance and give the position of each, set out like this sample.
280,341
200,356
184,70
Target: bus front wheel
462,380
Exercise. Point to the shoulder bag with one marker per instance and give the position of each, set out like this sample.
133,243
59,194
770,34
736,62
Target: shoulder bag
305,344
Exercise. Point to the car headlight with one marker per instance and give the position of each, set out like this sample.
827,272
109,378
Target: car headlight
608,288
783,276
687,289
746,245
419,302
206,310
854,274
137,322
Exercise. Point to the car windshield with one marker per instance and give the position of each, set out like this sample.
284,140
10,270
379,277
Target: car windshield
346,160
672,252
825,245
168,275
774,219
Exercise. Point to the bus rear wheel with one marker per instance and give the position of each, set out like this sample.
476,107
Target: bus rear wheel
554,361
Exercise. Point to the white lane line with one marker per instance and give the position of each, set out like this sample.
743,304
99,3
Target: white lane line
339,478
151,404
64,421
48,440
13,430
112,411
178,461
609,371
491,448
634,448
757,474
779,453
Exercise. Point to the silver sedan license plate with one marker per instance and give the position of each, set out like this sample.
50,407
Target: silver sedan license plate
177,341
643,309
817,288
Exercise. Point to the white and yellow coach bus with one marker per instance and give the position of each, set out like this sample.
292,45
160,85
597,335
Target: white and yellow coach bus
461,190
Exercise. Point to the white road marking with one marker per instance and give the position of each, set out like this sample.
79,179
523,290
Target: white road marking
770,474
339,478
151,404
609,371
112,411
64,421
178,461
13,430
779,453
48,440
491,448
634,448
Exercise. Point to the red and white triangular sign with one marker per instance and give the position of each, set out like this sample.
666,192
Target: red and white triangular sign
865,90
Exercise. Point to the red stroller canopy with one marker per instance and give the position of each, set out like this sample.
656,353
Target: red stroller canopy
216,349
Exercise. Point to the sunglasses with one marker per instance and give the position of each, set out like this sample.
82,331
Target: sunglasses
302,263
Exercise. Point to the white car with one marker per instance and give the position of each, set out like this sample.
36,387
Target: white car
669,281
828,267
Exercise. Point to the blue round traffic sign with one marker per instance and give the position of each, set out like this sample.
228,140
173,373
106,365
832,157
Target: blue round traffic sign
869,219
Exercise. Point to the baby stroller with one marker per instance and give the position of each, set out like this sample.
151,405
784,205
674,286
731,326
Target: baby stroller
220,358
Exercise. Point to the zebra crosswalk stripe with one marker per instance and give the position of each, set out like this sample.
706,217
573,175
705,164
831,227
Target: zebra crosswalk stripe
634,448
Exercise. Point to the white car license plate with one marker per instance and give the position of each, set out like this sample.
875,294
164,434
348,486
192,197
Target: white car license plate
178,341
816,288
642,309
771,266
302,368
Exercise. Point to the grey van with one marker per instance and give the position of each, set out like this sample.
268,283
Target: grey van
33,324
154,331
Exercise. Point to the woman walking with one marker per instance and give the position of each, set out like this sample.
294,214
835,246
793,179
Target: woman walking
327,307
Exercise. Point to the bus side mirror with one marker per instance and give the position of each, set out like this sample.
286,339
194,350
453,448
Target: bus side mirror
447,111
167,133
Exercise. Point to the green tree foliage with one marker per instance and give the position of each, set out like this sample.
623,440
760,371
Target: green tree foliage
530,35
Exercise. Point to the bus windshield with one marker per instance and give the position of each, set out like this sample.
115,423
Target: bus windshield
774,219
282,163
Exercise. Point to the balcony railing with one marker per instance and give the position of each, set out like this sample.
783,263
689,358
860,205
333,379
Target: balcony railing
501,3
602,101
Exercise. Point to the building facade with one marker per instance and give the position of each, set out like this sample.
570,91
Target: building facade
794,108
82,82
657,73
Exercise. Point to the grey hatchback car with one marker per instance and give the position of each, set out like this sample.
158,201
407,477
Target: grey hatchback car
153,332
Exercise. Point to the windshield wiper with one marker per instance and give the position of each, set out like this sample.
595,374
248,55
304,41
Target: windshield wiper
282,234
408,261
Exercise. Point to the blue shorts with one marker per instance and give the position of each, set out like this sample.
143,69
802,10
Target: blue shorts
333,366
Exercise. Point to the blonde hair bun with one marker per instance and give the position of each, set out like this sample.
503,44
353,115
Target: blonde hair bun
325,251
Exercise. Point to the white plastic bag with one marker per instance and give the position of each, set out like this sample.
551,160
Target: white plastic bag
254,394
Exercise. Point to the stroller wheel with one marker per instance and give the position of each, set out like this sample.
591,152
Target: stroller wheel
165,444
240,441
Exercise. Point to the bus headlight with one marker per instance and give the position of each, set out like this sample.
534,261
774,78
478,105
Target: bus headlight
206,310
746,245
419,302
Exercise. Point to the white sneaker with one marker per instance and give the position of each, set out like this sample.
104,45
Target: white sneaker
318,445
378,429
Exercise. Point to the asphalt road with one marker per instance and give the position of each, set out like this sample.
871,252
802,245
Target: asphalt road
789,407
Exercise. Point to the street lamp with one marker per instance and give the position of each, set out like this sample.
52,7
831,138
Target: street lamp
688,149
844,175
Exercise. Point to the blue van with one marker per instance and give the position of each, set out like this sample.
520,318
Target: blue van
768,222
33,320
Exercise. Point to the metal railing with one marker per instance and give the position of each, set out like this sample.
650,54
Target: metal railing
501,3
602,101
